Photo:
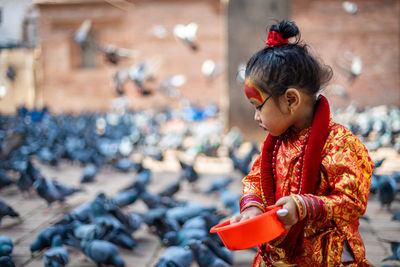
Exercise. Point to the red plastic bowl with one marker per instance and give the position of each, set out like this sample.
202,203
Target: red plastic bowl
252,232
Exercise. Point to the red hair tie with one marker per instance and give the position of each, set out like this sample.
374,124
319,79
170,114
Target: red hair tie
275,38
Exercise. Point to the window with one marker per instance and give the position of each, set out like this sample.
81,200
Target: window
89,53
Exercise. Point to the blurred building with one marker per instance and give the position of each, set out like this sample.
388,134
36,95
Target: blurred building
77,77
358,39
18,58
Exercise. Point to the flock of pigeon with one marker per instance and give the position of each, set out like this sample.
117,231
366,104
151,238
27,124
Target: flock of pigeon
98,227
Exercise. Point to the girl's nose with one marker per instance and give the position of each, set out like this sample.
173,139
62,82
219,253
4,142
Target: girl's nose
257,117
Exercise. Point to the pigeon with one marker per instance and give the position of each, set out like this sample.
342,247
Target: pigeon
204,256
218,184
161,226
4,179
395,247
171,189
27,177
126,165
176,256
56,256
124,198
46,236
190,210
183,236
387,190
131,221
396,216
5,261
82,33
51,190
187,34
6,246
89,173
102,252
243,165
188,172
6,210
221,251
230,200
142,179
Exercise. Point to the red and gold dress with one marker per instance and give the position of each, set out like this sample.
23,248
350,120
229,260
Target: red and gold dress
331,223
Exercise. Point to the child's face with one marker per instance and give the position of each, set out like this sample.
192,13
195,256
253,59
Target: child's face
268,113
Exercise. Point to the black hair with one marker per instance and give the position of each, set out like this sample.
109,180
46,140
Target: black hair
275,69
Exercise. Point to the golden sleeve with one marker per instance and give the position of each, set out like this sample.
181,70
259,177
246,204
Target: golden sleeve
347,169
251,195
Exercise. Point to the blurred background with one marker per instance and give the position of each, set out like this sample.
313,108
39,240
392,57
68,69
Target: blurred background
135,108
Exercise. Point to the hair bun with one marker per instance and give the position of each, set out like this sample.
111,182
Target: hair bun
287,28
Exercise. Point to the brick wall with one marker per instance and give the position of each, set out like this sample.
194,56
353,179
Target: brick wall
69,88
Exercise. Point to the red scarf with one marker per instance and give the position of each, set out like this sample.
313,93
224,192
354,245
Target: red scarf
311,168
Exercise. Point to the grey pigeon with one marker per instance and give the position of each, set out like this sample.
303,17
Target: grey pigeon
6,210
183,236
190,210
51,190
204,256
89,173
219,184
395,247
171,189
124,198
230,200
57,255
5,179
175,256
221,251
46,236
102,252
387,190
5,261
6,246
188,172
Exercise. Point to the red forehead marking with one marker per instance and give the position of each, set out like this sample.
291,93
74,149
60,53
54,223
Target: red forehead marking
252,92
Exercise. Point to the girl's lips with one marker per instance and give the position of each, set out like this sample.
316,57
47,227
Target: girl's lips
262,126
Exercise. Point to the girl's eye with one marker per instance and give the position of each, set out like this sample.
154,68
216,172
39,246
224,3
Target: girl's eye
259,107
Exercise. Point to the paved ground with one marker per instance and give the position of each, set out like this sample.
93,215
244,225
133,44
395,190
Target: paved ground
35,216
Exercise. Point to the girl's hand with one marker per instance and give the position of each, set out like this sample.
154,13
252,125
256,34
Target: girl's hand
248,213
292,216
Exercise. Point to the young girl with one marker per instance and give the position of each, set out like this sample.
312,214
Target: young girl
313,167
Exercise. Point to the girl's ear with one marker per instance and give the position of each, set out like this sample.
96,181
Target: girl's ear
292,99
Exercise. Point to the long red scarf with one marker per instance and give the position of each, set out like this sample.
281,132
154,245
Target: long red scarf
311,168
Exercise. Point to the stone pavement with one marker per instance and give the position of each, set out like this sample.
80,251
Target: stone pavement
35,215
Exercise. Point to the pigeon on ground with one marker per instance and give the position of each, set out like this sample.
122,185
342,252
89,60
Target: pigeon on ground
6,210
5,179
183,236
57,255
387,190
395,247
175,256
243,165
5,261
124,198
190,210
188,172
219,184
51,190
89,173
230,200
6,246
171,189
221,251
46,236
204,256
102,252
